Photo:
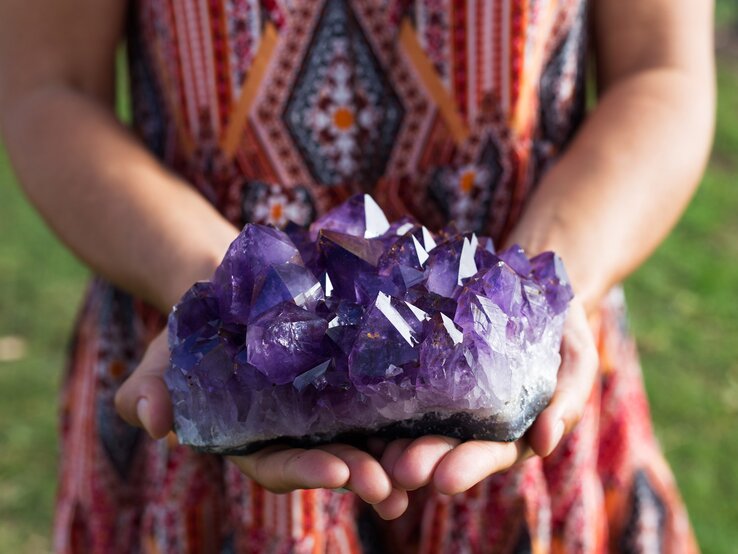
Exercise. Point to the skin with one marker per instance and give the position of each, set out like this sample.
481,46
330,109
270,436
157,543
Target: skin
604,207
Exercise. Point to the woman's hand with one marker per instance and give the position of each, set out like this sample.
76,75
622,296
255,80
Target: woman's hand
453,467
143,400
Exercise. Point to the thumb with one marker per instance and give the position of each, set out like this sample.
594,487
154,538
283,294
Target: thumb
576,377
143,399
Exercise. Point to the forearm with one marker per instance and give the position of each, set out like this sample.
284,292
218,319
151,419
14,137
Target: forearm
108,199
625,179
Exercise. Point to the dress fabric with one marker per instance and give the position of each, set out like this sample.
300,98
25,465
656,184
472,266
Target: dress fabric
277,110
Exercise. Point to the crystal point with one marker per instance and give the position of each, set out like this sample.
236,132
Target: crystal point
359,216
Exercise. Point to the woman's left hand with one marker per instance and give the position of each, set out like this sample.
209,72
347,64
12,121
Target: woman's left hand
453,467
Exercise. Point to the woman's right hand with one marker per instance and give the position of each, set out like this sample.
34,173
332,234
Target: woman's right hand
143,400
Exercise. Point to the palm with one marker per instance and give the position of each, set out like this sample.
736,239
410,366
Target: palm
404,465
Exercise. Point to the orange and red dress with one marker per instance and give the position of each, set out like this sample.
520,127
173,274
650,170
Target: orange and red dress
279,109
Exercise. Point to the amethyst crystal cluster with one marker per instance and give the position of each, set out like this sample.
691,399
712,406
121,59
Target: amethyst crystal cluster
356,327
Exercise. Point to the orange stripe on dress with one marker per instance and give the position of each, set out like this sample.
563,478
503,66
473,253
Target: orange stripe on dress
428,74
232,134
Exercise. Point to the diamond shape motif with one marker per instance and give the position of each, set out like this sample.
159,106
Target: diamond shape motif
464,193
343,115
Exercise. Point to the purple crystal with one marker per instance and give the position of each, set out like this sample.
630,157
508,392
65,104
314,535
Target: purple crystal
301,238
361,326
283,283
407,251
346,257
285,341
549,272
344,325
446,362
359,216
431,302
256,248
385,341
401,227
197,308
369,285
502,285
315,377
450,263
515,257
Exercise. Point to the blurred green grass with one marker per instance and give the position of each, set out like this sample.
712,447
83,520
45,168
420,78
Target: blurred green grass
684,310
40,286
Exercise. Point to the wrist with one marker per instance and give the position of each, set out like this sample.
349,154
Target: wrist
198,263
553,229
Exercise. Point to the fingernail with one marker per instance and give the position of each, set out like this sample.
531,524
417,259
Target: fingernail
558,434
142,411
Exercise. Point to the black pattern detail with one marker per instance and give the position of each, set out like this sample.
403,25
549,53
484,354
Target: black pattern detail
464,193
562,95
259,199
150,112
120,350
562,88
524,544
645,529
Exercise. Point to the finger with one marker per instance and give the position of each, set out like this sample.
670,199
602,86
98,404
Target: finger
574,386
367,478
415,465
143,399
393,506
281,469
473,461
391,454
375,446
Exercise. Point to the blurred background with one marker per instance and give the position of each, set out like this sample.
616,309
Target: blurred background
683,304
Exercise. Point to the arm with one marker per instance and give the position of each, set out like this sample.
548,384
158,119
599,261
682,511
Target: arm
630,171
107,198
605,205
124,214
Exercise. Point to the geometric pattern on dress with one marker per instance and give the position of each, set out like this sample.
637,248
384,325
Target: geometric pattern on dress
272,204
464,192
155,29
119,352
562,87
434,33
427,74
243,23
342,114
151,110
483,48
195,36
271,95
395,103
472,184
645,528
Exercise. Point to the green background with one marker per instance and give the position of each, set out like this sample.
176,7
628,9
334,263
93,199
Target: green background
683,304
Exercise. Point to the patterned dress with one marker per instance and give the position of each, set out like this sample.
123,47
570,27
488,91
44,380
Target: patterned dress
279,109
